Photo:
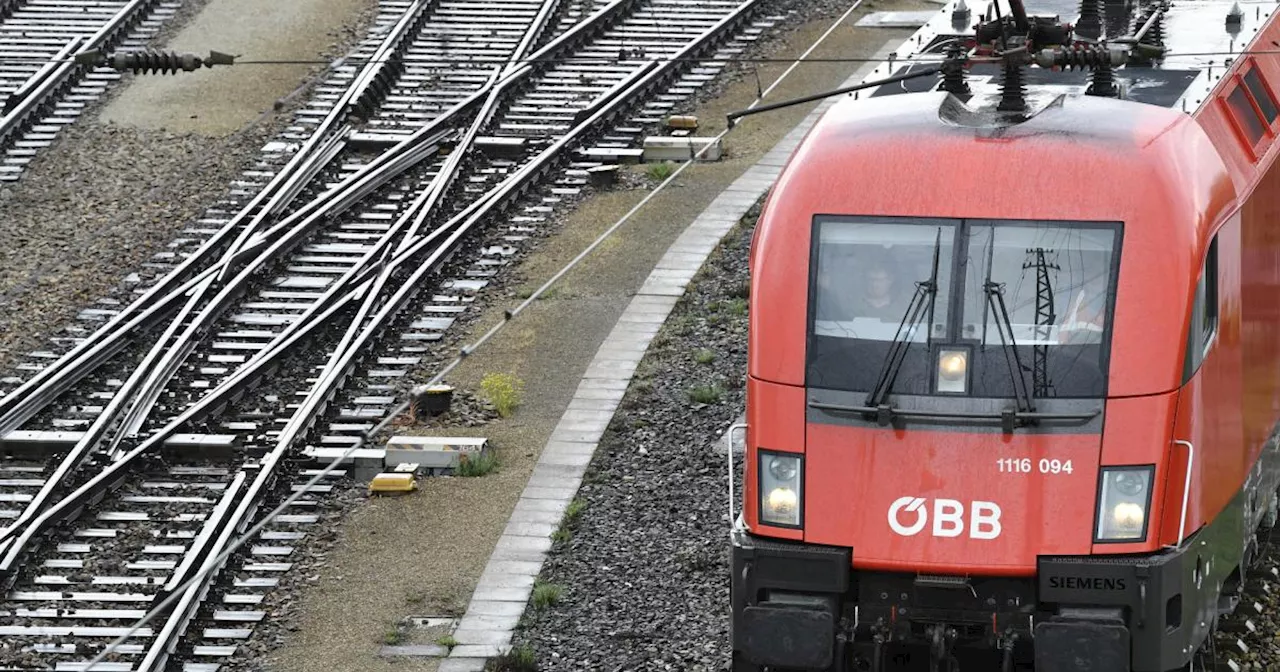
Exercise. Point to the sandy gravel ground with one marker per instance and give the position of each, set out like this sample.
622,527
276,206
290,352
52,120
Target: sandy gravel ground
220,100
422,554
106,197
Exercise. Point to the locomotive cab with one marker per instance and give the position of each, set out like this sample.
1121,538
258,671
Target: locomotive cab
977,388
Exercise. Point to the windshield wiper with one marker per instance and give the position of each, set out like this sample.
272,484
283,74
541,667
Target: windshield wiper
898,348
1008,418
995,298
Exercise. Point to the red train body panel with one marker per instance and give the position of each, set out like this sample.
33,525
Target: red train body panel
1110,516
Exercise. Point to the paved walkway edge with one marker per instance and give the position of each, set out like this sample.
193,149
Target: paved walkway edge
507,582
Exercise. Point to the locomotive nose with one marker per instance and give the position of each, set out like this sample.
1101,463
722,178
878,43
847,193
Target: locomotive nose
953,502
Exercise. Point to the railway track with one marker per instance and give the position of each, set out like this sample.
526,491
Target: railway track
43,89
145,446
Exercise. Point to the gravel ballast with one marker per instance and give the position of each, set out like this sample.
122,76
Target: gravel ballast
643,573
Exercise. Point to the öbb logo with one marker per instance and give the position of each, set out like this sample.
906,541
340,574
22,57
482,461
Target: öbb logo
948,518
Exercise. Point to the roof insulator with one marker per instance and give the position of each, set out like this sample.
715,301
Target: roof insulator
1234,18
1103,82
1013,86
960,15
953,79
1089,23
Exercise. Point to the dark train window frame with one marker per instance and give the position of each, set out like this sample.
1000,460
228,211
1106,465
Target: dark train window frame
1116,227
1254,130
1261,92
1202,328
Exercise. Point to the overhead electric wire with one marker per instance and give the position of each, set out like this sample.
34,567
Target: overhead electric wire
464,353
587,60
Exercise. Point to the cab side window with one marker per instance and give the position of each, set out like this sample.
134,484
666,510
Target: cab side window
1204,314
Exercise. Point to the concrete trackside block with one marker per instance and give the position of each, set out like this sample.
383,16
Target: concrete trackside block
433,452
664,148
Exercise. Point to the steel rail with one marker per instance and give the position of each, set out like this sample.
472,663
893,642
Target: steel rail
60,60
57,377
92,436
369,87
310,158
97,486
31,397
423,204
340,363
341,360
336,369
339,366
52,79
28,399
342,108
645,76
649,77
203,547
531,36
512,73
136,403
403,156
219,303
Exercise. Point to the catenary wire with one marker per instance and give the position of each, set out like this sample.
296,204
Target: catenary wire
580,60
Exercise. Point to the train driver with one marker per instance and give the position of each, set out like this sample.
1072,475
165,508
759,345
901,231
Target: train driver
878,297
849,289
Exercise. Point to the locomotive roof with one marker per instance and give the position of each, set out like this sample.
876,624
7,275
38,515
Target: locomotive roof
1199,48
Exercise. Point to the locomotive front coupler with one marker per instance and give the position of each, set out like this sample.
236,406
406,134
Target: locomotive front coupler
1007,642
882,634
942,638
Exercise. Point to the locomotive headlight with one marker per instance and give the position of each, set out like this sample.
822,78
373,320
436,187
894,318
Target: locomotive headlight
780,476
1123,498
953,366
1128,516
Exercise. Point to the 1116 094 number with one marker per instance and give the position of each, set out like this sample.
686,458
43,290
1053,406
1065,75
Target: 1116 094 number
1024,465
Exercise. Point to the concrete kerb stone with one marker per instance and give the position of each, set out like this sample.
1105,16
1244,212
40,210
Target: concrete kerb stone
491,608
482,635
546,479
607,385
559,470
505,580
476,651
518,596
479,624
555,492
506,585
518,529
411,650
459,664
665,287
667,290
593,404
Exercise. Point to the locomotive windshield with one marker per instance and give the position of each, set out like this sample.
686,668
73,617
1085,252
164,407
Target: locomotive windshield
872,281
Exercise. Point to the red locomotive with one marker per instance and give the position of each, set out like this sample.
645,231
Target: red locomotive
1014,358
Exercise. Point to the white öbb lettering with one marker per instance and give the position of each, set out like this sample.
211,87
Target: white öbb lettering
908,516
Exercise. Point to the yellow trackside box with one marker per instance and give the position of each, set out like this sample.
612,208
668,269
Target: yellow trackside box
392,483
682,121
